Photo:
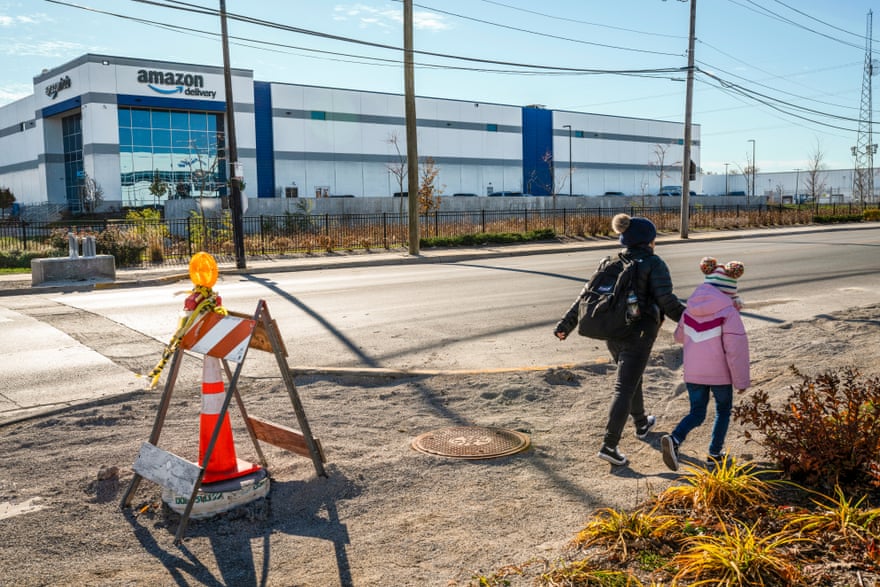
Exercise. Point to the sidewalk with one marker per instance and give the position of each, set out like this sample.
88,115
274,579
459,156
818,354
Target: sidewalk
20,284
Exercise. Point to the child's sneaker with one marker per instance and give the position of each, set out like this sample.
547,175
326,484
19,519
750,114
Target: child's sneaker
715,461
613,456
642,431
669,448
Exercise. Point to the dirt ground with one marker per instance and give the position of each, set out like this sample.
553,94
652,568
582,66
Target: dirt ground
385,514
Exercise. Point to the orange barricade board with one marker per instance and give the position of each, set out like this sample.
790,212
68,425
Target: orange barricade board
216,335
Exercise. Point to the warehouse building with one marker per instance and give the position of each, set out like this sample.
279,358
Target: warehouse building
121,127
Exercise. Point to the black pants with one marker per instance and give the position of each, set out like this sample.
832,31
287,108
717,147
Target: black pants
631,356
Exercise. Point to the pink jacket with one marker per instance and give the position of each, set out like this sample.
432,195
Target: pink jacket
716,348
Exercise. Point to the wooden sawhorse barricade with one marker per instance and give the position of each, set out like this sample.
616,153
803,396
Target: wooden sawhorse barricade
184,477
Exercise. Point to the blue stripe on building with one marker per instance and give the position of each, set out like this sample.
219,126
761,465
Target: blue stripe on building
537,138
265,139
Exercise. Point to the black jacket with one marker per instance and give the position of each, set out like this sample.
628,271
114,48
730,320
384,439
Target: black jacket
653,286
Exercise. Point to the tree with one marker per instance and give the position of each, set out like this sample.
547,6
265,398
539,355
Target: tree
815,181
158,188
399,167
429,194
7,198
659,162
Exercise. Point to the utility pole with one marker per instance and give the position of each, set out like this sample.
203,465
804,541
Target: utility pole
232,152
754,169
688,111
412,151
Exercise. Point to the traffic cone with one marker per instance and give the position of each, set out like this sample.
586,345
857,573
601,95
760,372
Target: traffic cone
223,464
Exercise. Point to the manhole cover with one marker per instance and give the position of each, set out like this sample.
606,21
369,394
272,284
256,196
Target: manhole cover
468,442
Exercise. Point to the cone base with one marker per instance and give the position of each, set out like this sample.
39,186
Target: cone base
241,469
215,498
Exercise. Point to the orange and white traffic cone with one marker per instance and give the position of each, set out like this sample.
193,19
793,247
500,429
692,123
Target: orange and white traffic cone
223,463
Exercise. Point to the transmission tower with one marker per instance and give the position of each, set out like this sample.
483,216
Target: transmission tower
863,152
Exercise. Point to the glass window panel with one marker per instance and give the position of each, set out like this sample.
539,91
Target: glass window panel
180,140
141,137
161,119
200,141
198,121
140,118
180,120
161,138
212,123
162,161
124,137
124,116
126,162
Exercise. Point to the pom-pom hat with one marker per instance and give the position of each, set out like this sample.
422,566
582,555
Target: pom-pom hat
633,230
722,276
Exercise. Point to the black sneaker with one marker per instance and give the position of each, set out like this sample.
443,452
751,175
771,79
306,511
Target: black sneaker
669,448
642,431
613,456
714,461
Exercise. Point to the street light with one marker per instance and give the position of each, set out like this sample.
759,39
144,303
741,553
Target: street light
753,165
726,181
570,170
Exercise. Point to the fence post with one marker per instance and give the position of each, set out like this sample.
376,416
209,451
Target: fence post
24,243
483,220
436,223
189,250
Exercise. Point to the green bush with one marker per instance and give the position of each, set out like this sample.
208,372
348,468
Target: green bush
486,238
22,259
871,215
126,246
827,432
831,219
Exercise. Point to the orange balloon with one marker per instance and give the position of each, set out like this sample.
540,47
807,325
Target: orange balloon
203,270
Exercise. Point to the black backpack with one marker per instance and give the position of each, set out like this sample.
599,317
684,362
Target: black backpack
608,305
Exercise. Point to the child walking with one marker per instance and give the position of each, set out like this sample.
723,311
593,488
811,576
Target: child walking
716,356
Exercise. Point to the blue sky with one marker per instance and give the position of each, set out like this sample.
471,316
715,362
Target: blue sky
785,73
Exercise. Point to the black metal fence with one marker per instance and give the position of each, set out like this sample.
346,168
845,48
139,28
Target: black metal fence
147,242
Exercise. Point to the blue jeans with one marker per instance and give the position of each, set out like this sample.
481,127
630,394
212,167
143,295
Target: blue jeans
698,394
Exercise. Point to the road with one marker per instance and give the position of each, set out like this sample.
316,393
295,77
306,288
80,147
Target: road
466,315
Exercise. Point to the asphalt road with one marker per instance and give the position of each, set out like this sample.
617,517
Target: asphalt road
481,310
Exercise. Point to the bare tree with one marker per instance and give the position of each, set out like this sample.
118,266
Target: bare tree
399,167
815,180
659,162
749,173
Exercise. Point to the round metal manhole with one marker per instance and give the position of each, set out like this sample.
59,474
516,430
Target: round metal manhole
471,442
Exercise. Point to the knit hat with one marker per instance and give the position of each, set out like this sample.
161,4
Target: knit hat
722,276
633,230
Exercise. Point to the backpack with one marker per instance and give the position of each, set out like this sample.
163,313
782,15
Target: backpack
608,306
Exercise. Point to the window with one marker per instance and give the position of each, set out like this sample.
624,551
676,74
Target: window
180,149
492,127
71,137
319,115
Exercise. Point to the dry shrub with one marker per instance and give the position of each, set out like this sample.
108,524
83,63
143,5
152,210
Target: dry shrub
826,433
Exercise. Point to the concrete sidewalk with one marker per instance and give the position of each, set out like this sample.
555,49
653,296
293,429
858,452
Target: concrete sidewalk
20,284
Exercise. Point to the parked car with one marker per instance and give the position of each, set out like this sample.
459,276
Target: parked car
463,195
507,194
615,194
670,190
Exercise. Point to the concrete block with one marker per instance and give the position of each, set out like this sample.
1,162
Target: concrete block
53,269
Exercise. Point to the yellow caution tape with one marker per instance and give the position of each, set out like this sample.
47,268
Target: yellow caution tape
208,304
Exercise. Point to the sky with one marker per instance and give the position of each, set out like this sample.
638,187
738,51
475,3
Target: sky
780,79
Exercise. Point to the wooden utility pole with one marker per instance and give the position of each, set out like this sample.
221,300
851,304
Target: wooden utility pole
688,111
232,152
412,151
